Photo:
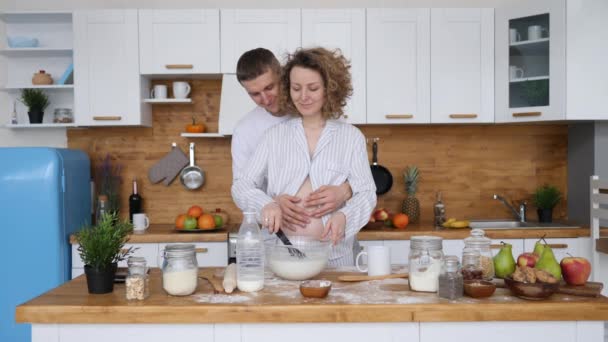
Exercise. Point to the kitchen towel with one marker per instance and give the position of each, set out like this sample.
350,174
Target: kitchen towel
168,167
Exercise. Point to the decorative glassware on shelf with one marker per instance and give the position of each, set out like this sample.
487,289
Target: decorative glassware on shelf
108,180
529,43
63,115
14,119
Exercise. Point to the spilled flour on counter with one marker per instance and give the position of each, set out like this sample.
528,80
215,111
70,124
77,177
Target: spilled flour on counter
221,298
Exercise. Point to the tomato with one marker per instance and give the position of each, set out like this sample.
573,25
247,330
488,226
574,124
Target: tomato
190,223
206,221
195,211
179,221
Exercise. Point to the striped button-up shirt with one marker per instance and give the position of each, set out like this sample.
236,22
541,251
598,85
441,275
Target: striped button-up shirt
282,157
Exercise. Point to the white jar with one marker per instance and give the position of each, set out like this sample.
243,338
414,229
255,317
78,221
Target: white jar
180,269
425,260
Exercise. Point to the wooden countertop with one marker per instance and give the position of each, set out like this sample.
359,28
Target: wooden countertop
280,301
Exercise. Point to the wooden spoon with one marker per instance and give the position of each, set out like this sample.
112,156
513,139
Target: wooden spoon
366,277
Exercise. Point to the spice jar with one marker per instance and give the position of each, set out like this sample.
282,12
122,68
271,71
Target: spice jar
425,259
471,266
137,282
480,243
63,115
180,269
450,280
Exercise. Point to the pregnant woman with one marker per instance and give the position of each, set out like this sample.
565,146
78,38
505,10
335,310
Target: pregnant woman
311,150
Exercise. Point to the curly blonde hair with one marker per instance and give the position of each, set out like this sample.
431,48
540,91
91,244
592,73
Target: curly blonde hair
334,69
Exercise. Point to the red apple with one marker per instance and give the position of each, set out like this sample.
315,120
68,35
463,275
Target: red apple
527,259
372,219
381,214
575,270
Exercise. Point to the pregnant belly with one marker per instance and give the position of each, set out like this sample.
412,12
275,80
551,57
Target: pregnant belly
314,229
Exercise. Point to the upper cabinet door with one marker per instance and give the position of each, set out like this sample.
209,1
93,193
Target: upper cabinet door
530,61
462,65
398,65
179,41
106,63
343,29
277,30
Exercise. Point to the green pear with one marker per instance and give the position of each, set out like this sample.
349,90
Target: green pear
547,262
504,263
539,247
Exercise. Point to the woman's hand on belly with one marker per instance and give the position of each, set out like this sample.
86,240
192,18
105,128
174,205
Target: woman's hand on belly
294,216
334,229
271,217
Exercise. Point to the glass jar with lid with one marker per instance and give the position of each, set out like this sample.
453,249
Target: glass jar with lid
180,269
137,280
471,265
450,280
425,260
480,243
63,115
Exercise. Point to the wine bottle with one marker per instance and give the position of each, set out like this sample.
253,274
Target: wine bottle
135,201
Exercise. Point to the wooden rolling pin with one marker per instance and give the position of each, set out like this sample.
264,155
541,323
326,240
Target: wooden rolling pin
366,277
229,282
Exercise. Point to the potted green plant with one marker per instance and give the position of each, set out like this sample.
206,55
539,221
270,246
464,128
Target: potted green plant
101,248
545,199
36,102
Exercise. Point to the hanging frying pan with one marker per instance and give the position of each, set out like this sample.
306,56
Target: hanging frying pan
192,177
382,176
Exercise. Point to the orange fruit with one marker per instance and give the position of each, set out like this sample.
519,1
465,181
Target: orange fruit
195,211
206,221
400,221
179,221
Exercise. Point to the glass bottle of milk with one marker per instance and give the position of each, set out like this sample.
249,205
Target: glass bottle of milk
249,255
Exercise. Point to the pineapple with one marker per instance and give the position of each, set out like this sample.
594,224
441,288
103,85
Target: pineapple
411,205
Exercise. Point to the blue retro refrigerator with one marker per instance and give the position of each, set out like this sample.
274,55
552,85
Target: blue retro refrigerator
45,195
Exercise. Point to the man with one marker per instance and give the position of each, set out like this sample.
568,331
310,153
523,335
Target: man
258,71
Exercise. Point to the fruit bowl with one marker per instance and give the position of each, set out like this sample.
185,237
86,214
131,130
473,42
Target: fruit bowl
531,291
285,261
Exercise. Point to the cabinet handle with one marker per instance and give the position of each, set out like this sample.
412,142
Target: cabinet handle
179,66
552,245
463,116
107,118
201,250
524,114
399,116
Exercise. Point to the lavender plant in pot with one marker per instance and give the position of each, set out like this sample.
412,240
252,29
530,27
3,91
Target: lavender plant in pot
36,102
101,247
545,199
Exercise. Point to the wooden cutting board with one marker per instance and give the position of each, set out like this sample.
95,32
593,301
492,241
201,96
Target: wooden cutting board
209,274
590,289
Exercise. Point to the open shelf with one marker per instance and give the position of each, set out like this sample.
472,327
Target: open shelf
530,42
524,79
31,86
42,125
168,101
37,51
202,135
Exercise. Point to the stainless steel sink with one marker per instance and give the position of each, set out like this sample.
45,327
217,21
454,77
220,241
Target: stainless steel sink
507,224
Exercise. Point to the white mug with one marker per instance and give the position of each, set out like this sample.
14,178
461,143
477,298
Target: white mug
181,90
514,36
535,32
159,92
515,72
141,222
378,260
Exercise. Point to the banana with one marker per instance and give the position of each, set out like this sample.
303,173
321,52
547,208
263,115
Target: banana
459,224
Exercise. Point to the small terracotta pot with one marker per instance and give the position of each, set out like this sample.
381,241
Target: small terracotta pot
42,78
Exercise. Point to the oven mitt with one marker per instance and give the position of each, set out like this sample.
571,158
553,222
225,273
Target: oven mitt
168,167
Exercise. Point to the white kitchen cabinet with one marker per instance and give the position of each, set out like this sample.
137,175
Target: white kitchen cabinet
462,65
277,30
108,87
398,65
342,29
179,41
530,61
586,67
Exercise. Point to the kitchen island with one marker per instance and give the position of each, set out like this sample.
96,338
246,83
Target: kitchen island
360,311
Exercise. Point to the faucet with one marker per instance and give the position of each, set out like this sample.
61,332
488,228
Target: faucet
521,215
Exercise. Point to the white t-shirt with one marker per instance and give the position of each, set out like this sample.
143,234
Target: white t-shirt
248,134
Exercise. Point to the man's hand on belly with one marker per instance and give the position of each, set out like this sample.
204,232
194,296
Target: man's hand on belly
327,199
334,229
294,216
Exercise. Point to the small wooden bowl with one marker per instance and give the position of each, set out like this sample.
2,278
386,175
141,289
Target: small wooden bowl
479,288
315,288
531,291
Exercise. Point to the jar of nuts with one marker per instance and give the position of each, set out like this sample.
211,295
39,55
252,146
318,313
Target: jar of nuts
479,243
471,265
137,279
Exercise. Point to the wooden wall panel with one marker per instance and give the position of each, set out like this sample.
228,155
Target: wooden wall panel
468,163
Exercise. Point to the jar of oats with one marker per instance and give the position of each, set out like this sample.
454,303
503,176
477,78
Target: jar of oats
136,283
479,243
